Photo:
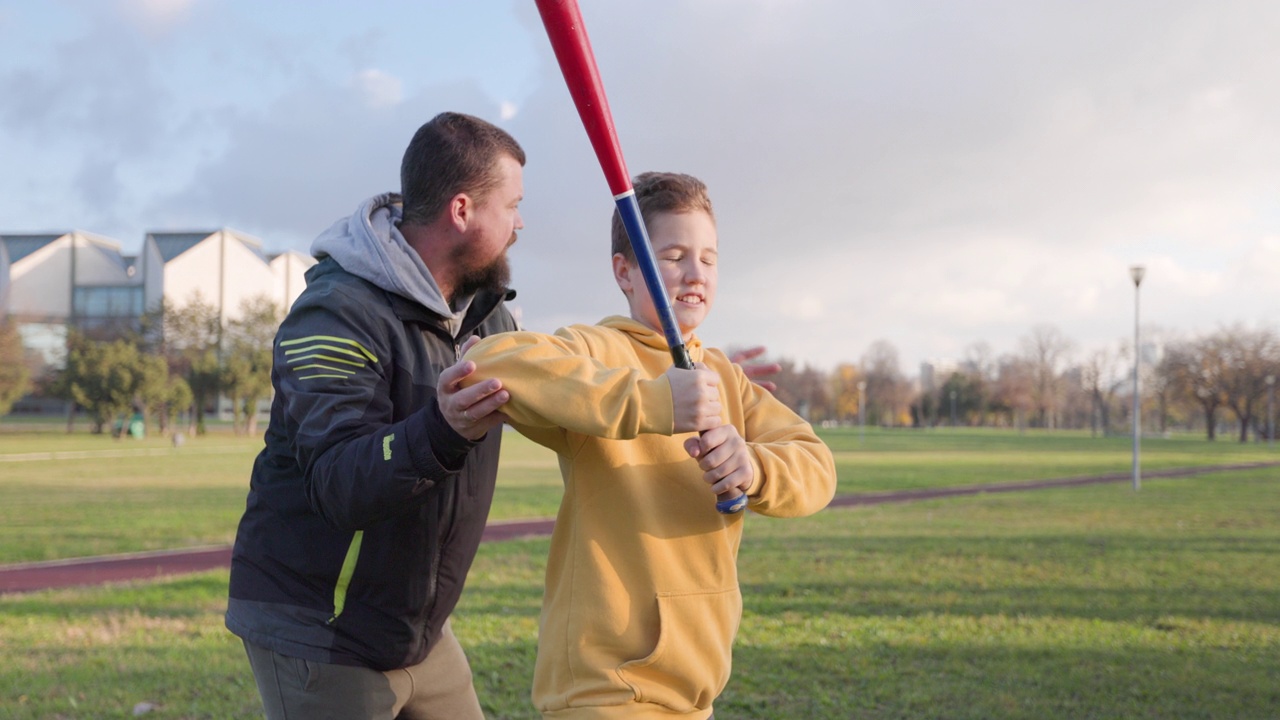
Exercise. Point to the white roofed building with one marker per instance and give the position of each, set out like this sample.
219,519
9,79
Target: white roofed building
223,267
52,281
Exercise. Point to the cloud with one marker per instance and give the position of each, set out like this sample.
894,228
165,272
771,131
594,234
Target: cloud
156,18
379,89
291,168
930,174
923,172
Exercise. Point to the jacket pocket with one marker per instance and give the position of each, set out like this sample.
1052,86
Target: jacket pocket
690,663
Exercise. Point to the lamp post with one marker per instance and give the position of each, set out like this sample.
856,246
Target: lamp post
953,408
862,411
1136,272
1271,409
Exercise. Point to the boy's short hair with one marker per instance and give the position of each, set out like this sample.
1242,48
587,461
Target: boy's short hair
661,192
450,154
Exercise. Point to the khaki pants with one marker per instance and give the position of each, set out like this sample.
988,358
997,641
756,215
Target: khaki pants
438,688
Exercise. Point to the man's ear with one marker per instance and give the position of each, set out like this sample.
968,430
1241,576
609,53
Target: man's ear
461,210
623,273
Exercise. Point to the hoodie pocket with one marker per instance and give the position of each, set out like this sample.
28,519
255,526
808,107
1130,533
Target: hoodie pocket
690,663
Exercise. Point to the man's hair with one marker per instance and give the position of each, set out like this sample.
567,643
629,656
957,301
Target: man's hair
662,192
452,153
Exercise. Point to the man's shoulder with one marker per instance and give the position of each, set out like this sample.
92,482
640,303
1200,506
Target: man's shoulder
328,281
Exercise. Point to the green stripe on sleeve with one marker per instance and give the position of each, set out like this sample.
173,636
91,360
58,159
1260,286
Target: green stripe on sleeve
330,338
326,358
319,348
341,371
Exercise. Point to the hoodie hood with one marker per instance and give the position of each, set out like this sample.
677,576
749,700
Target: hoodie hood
649,337
368,244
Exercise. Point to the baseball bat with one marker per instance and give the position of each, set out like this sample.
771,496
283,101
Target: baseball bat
563,22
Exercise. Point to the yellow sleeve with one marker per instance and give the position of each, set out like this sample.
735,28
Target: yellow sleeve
795,471
555,382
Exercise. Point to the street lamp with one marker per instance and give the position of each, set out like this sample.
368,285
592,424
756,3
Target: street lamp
953,408
1136,272
862,411
1271,409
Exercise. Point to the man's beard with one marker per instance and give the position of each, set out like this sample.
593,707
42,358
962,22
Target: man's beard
495,276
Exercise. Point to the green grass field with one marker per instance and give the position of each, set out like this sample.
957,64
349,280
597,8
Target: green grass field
1091,602
67,496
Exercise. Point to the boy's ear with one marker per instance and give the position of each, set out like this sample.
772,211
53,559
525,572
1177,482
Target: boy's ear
622,273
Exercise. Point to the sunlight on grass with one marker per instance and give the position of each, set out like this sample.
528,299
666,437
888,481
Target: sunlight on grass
1074,602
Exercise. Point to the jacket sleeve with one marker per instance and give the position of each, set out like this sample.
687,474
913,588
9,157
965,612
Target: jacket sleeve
556,383
795,471
363,459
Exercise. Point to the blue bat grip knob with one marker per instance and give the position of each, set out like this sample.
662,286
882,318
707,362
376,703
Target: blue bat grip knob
731,506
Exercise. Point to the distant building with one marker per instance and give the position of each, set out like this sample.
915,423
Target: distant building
54,281
224,267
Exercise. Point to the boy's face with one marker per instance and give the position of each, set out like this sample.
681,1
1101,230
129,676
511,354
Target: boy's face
685,245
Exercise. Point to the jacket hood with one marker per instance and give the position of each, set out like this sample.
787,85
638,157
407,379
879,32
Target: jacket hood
649,337
368,244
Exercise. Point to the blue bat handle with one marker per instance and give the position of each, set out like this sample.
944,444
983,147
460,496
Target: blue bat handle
629,211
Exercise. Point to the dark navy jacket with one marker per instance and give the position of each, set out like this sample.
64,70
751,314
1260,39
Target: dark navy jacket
365,509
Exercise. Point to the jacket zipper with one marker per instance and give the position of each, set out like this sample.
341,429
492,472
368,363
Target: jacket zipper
447,497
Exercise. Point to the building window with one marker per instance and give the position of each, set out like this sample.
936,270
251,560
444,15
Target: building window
108,301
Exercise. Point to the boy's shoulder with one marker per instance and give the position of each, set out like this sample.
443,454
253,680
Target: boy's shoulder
718,360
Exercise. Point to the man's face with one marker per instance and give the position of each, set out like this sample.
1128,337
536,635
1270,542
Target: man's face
685,245
482,258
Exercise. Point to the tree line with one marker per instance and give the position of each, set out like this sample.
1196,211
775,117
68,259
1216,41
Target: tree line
175,363
178,362
1223,380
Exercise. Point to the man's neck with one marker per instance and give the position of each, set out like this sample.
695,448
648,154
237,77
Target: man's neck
432,244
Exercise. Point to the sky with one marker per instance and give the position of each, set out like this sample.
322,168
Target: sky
927,173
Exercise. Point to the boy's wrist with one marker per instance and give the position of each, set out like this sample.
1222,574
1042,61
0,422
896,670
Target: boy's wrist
757,474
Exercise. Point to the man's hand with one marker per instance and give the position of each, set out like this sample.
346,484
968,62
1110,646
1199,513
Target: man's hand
723,456
473,411
695,398
756,371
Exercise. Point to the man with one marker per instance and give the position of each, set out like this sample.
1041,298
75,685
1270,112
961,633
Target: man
367,505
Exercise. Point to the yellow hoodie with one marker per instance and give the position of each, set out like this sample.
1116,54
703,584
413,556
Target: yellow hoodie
642,601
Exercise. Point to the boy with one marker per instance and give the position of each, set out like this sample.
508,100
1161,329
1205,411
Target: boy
642,600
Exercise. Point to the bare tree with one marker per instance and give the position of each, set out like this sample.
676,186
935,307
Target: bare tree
1102,376
1014,389
1195,370
1248,356
979,368
888,392
1046,350
805,390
